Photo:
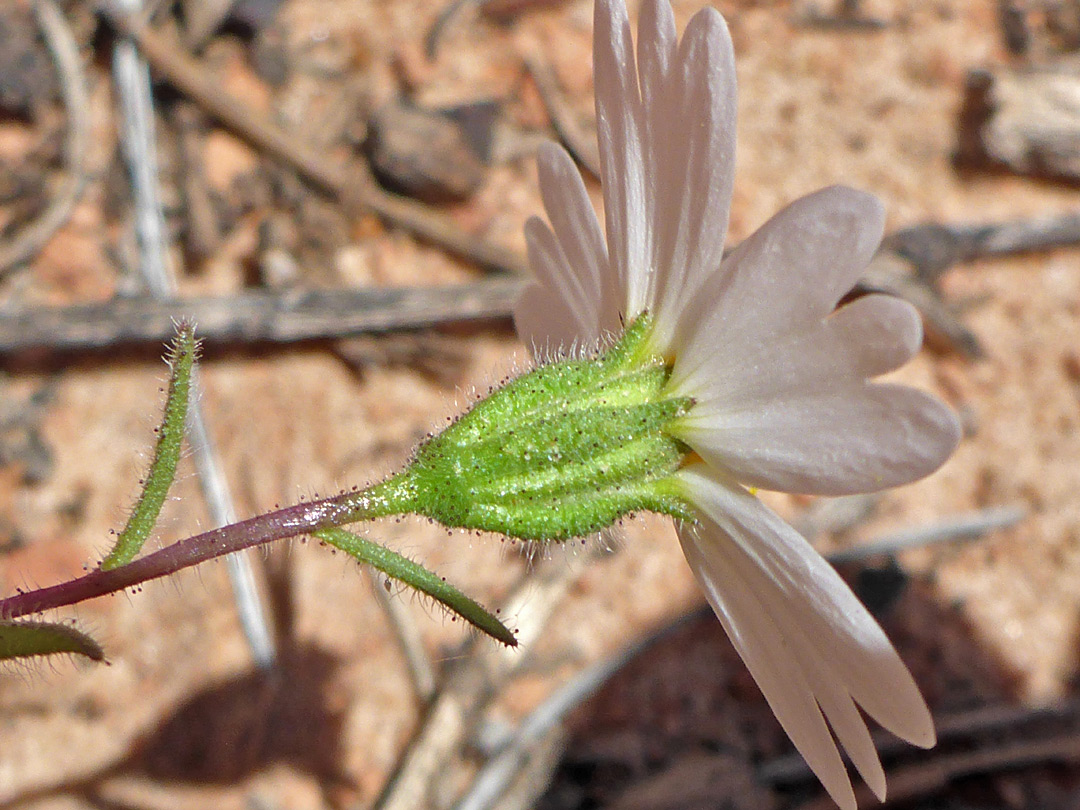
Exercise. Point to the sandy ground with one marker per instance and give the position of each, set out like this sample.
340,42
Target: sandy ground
874,109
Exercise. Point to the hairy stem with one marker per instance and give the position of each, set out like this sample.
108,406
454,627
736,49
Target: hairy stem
391,497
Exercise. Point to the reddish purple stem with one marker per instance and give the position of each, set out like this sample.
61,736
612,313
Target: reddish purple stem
288,522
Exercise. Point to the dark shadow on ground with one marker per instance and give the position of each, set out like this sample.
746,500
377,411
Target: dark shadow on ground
684,727
233,730
236,728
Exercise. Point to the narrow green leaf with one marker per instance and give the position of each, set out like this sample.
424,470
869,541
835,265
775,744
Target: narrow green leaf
181,358
416,576
26,639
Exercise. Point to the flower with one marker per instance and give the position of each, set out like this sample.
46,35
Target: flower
780,379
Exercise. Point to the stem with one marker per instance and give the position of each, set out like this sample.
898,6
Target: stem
391,497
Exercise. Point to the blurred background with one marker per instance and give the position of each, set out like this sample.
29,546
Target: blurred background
335,191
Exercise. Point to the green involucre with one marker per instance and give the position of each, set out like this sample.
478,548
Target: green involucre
181,358
416,576
561,452
27,639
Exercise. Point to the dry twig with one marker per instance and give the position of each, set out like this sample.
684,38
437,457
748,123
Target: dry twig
579,143
985,740
349,182
65,52
407,633
933,248
473,683
503,768
1026,121
256,316
442,22
901,267
960,527
906,266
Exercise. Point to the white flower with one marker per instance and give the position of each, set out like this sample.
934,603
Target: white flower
779,380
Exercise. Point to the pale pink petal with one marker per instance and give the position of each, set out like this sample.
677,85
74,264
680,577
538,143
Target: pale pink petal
850,640
657,43
870,336
577,230
657,47
794,413
801,670
762,646
693,145
882,332
782,603
831,442
836,704
545,324
790,273
562,285
622,165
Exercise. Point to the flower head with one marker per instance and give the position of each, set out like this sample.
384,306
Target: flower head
778,377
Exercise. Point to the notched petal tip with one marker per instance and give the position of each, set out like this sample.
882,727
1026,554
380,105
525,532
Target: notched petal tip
805,637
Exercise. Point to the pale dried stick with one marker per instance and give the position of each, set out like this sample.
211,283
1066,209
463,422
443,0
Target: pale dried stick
502,769
258,316
959,527
408,636
137,113
474,682
442,22
534,777
65,53
581,145
349,181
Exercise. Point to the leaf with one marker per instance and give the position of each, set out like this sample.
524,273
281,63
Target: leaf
416,576
181,357
28,639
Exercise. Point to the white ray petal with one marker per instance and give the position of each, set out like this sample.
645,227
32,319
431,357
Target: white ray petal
809,599
831,442
561,282
577,230
761,644
804,670
695,166
874,335
870,336
843,715
790,273
656,48
622,165
545,323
